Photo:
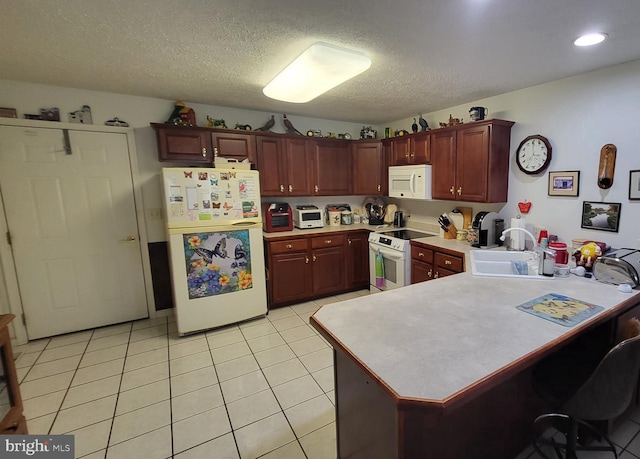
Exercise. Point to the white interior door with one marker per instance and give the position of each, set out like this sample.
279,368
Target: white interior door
74,235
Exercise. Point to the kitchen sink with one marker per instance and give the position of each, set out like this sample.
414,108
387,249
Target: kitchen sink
498,263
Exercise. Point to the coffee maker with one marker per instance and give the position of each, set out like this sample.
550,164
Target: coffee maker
489,228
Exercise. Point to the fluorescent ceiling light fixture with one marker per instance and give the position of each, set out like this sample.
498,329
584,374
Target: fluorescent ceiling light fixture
590,39
320,68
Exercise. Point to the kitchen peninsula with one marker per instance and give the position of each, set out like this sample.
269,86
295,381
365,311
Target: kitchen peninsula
441,369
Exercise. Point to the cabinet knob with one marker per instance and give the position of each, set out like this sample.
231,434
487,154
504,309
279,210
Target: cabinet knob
327,241
349,241
420,254
288,246
204,151
406,155
379,187
430,274
436,275
130,238
412,154
306,260
451,190
281,188
290,188
314,257
460,191
316,188
215,151
447,262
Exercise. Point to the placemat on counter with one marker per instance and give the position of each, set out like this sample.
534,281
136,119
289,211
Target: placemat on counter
560,309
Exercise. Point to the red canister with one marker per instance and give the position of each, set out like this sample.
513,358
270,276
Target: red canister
562,256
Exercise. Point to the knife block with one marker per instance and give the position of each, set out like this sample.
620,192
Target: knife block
451,233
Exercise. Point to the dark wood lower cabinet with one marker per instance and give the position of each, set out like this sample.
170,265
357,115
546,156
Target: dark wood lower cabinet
306,267
431,262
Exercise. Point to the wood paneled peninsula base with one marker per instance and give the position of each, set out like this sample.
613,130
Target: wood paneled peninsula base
441,369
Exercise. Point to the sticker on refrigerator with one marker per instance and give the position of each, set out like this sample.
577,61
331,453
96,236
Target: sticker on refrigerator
192,198
249,209
248,189
175,193
217,263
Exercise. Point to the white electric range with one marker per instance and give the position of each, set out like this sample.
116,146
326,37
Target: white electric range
394,246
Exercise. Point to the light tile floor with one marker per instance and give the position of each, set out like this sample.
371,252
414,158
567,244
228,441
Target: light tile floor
263,388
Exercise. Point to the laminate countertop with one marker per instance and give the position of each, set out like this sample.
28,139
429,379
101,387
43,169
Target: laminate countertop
434,340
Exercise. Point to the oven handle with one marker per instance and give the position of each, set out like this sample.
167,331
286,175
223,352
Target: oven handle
390,253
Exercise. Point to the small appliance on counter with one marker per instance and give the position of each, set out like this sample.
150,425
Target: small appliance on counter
278,216
488,229
307,216
619,267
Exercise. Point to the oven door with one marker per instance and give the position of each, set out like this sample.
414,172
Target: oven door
395,273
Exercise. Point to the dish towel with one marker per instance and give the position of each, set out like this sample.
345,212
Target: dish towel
379,270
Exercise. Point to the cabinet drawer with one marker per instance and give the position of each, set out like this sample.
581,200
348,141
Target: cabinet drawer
448,262
329,240
291,245
422,254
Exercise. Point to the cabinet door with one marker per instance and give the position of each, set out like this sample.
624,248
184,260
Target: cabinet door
298,168
357,259
332,168
420,271
235,146
472,163
184,144
420,148
443,157
400,151
328,270
270,158
368,168
289,277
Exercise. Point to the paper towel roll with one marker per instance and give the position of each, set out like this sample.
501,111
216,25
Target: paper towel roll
517,238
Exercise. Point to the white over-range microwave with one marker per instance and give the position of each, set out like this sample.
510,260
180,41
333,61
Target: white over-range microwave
411,182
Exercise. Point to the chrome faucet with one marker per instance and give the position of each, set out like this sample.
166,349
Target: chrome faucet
527,232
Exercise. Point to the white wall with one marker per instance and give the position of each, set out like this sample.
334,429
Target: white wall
139,112
579,115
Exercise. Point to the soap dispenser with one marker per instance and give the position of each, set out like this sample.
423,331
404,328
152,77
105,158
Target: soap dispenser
547,265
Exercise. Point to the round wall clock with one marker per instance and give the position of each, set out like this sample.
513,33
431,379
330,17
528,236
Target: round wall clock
533,154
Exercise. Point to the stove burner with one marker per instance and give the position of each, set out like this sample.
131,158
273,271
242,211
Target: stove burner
405,234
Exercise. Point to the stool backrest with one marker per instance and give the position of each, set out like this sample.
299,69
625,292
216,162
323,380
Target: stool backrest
610,388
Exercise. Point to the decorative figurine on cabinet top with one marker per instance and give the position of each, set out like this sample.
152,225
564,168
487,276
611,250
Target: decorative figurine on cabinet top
268,125
182,115
423,123
414,126
214,123
289,125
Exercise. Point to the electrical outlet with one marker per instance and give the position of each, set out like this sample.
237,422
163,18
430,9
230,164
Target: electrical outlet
154,214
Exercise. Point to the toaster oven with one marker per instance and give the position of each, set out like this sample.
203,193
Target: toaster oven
308,216
277,217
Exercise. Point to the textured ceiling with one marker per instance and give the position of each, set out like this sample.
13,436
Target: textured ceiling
427,54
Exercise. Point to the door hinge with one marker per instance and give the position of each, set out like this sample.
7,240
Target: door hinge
24,320
8,238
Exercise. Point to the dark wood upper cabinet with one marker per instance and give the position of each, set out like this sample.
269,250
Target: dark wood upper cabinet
239,146
471,161
368,166
331,167
411,149
183,144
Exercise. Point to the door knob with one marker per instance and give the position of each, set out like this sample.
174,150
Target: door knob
130,238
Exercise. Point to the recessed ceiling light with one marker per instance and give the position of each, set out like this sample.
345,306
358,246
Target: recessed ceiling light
590,39
320,68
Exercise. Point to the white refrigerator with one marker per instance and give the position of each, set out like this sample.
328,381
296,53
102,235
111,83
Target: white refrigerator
216,256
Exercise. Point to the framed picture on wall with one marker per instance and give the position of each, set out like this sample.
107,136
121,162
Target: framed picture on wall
634,185
603,216
565,183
